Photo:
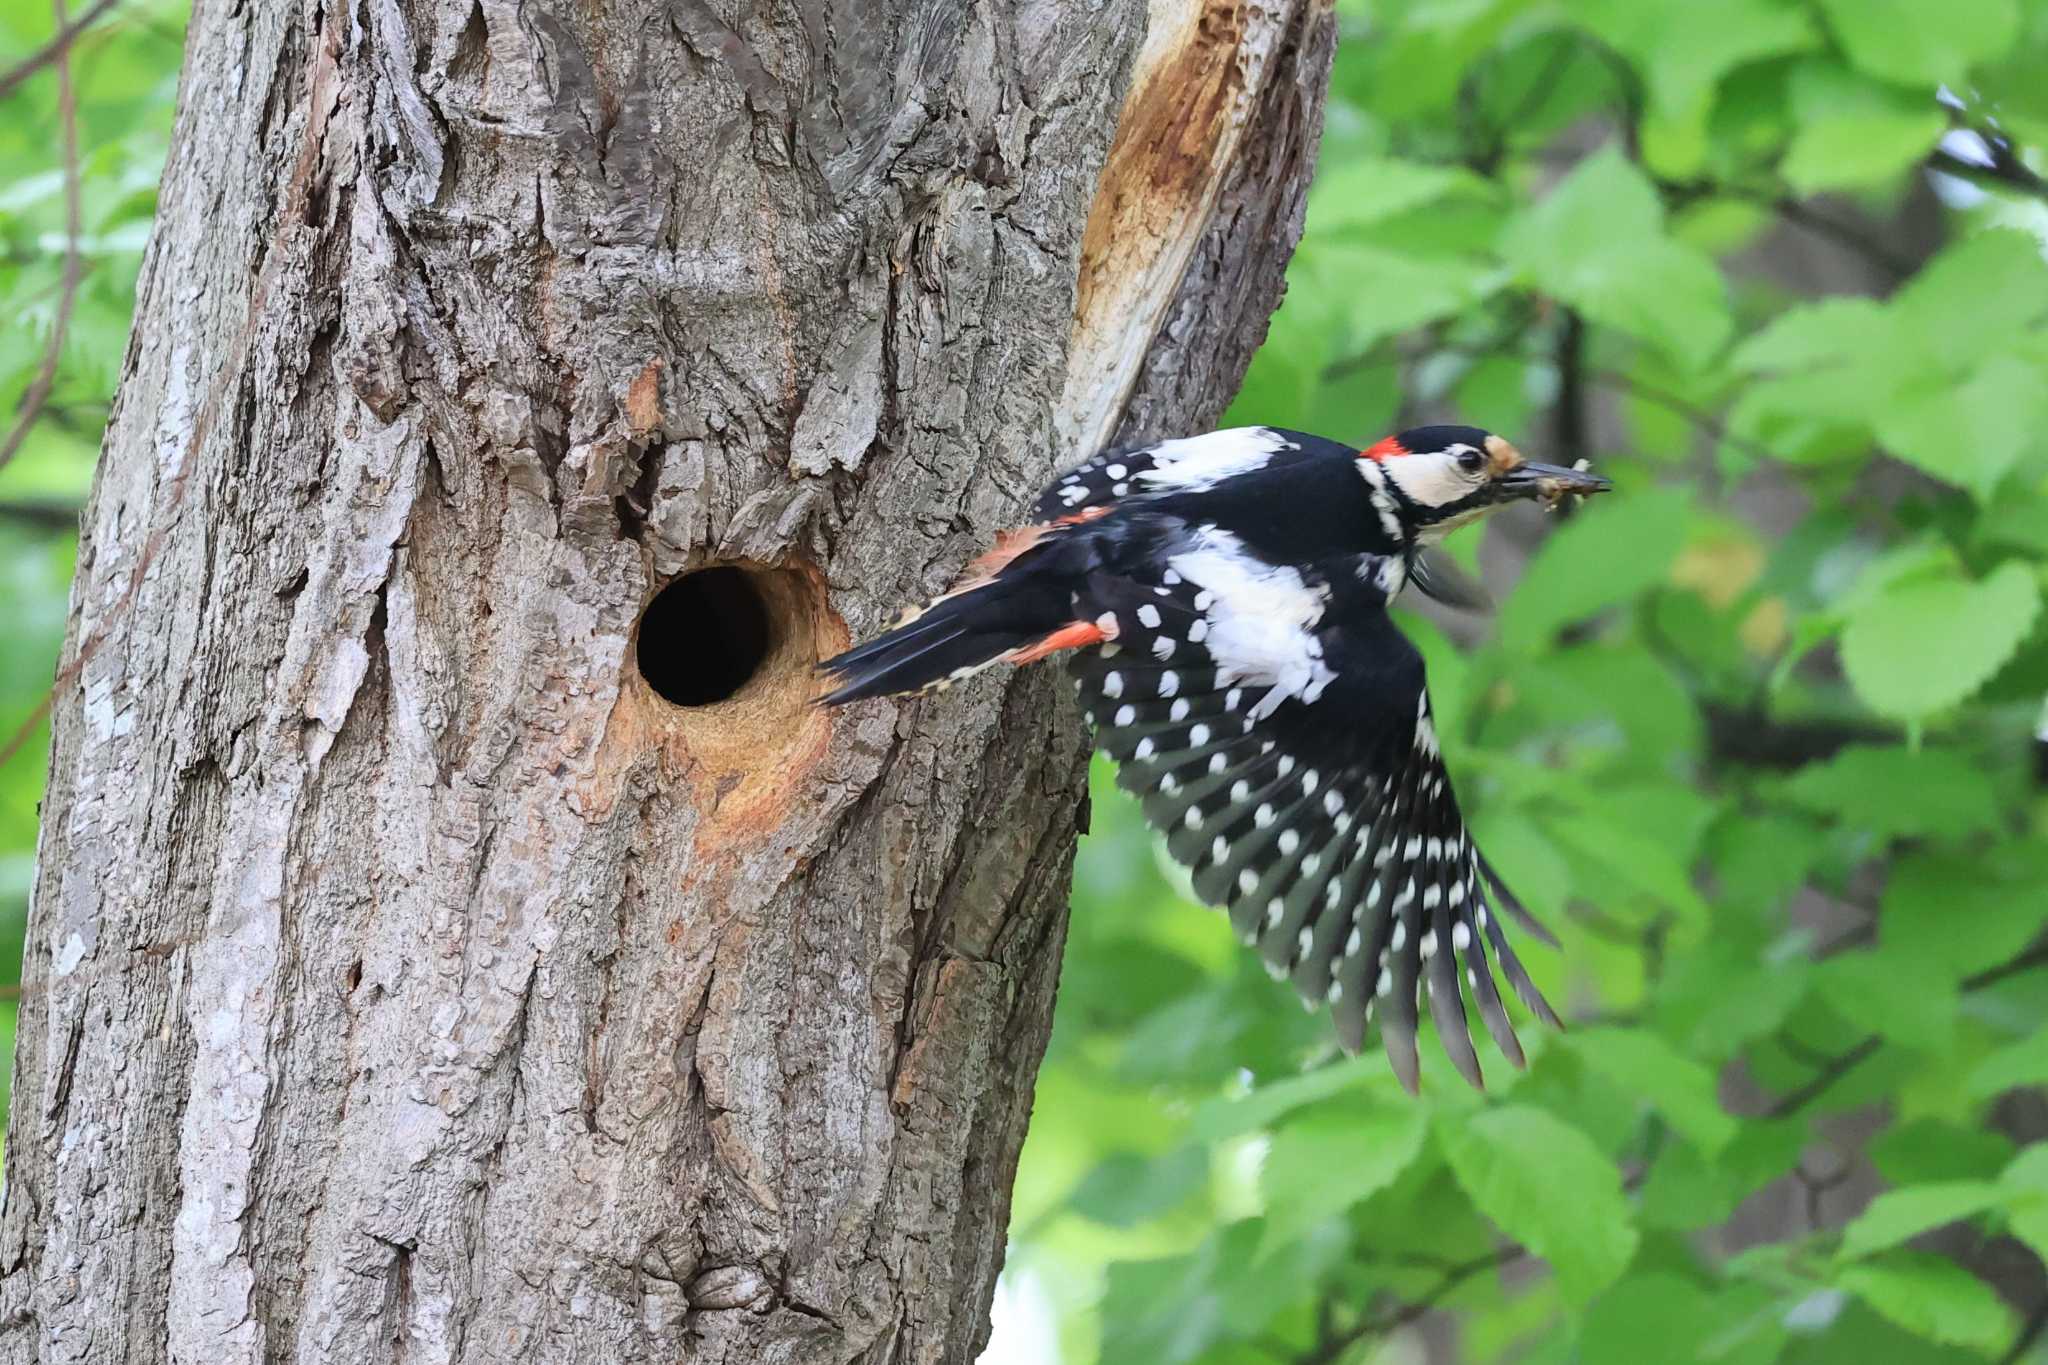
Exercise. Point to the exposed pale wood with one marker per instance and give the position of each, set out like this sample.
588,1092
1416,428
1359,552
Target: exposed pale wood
406,980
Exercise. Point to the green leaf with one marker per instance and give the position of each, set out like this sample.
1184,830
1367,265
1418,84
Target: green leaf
1825,331
1685,1320
1126,1187
1718,997
2029,1170
1316,1168
1637,861
2026,1183
1914,42
1933,1297
1926,1151
1896,792
1961,913
1222,1118
1371,189
1972,433
2028,1221
1900,1215
1924,646
1870,148
1682,51
1608,554
1387,292
1975,297
1169,1310
1854,132
2017,1064
1598,243
1891,995
1547,1186
1677,1086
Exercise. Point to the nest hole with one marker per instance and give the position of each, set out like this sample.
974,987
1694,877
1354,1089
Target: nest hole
707,635
727,692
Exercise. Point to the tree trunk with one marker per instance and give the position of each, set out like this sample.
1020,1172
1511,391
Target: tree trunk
407,978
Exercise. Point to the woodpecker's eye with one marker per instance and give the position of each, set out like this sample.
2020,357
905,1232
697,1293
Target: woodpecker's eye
1470,460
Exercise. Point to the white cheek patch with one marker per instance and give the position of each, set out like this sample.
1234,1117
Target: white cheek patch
1432,480
1261,618
1195,463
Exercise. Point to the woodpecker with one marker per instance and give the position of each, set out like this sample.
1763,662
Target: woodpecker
1223,601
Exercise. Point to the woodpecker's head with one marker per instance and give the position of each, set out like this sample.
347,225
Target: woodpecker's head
1440,478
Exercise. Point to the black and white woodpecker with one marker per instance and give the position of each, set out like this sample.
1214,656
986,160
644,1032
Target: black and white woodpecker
1223,600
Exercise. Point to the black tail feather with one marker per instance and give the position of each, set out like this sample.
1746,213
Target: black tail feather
955,637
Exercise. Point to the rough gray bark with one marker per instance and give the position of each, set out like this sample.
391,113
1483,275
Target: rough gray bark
406,980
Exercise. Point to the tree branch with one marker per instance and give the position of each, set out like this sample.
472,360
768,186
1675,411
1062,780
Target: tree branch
1843,1063
1836,1068
1331,1345
48,515
38,391
54,49
2030,1332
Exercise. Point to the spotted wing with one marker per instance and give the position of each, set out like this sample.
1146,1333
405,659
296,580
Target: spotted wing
1188,464
1327,828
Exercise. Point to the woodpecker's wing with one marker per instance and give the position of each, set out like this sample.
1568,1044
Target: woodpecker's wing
1189,464
1277,726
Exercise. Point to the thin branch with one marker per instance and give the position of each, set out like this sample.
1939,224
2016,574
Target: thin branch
1836,1068
1840,1065
1331,1345
74,259
2033,957
1568,416
54,49
48,515
1671,402
1799,214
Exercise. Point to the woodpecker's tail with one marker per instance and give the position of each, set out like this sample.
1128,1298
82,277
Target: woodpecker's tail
1011,607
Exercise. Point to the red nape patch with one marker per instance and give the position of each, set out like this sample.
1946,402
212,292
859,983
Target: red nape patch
1066,637
1383,448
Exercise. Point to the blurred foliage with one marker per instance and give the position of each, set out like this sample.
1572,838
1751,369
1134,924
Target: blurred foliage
1754,733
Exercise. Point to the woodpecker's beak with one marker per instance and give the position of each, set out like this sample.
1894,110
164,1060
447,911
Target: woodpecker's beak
1552,483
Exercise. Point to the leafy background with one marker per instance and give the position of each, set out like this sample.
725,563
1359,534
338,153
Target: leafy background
1757,733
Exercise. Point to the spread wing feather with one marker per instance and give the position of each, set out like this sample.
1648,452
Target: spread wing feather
1328,829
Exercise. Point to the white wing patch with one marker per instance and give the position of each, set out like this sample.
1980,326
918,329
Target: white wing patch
1195,463
1261,620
